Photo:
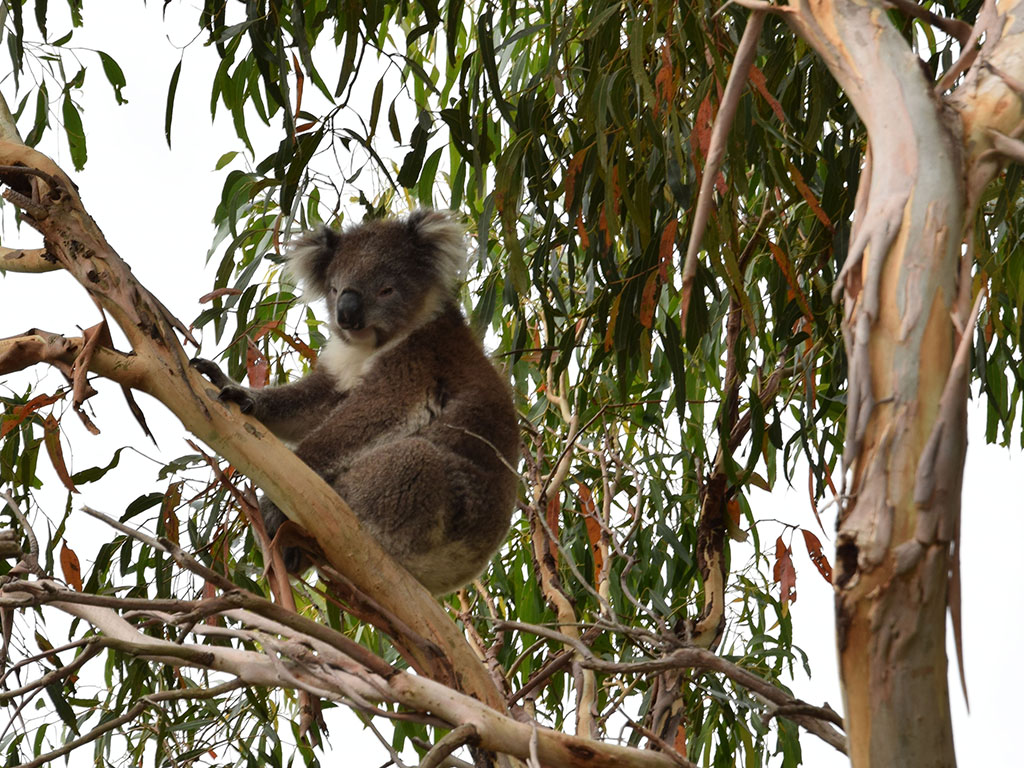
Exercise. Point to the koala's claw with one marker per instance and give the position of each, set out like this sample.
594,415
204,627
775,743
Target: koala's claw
233,393
210,370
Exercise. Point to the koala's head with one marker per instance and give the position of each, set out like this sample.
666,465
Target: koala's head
381,279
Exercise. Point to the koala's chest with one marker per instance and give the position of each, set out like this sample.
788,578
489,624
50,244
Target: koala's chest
347,363
401,380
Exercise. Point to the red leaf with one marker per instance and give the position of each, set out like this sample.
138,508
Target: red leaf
299,346
817,556
808,195
761,85
570,178
787,271
210,592
613,315
265,329
554,507
702,133
70,567
582,231
649,300
784,573
665,82
680,741
257,367
21,412
666,248
702,125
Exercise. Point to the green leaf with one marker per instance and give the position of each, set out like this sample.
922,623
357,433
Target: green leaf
425,186
95,473
42,117
226,158
114,76
56,693
171,90
41,16
75,132
378,93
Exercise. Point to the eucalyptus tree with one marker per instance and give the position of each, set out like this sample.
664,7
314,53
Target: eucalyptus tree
710,246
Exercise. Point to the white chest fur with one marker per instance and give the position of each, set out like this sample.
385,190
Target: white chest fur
346,362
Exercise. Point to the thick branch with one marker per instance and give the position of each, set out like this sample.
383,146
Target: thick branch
989,101
27,260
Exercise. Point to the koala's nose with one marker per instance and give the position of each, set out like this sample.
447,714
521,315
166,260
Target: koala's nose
350,310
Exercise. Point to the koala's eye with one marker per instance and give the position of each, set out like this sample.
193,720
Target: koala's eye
385,291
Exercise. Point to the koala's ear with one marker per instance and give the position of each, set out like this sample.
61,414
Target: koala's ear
309,257
445,238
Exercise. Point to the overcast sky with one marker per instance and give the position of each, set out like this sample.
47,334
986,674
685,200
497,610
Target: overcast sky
155,208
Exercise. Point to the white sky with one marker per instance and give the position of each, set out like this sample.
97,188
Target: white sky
155,208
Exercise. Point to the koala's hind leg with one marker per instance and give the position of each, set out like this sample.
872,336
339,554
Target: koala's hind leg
409,494
274,518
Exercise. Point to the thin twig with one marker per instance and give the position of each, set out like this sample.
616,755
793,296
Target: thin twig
716,150
464,734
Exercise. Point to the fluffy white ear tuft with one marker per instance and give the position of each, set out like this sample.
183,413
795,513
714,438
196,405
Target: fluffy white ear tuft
440,231
309,256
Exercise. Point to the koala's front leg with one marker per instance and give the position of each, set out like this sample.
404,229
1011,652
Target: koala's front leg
290,411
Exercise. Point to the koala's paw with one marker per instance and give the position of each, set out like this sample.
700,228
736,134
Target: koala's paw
241,396
210,370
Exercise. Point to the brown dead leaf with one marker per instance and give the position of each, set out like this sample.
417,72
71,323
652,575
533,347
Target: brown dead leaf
666,249
206,298
571,172
172,497
551,518
761,86
817,556
808,195
210,592
679,743
51,438
649,300
70,567
784,573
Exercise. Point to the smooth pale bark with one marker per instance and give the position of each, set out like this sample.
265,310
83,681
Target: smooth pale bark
907,292
900,285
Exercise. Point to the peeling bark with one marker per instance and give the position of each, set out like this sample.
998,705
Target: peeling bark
899,286
907,295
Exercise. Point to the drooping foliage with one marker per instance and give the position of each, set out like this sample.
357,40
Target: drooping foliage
572,137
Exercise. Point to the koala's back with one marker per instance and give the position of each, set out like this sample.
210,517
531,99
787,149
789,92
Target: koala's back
423,444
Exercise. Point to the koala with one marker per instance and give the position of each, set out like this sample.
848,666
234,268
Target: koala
403,413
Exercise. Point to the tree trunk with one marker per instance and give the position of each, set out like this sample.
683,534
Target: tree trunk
908,326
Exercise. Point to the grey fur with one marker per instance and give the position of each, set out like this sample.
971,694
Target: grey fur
404,414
